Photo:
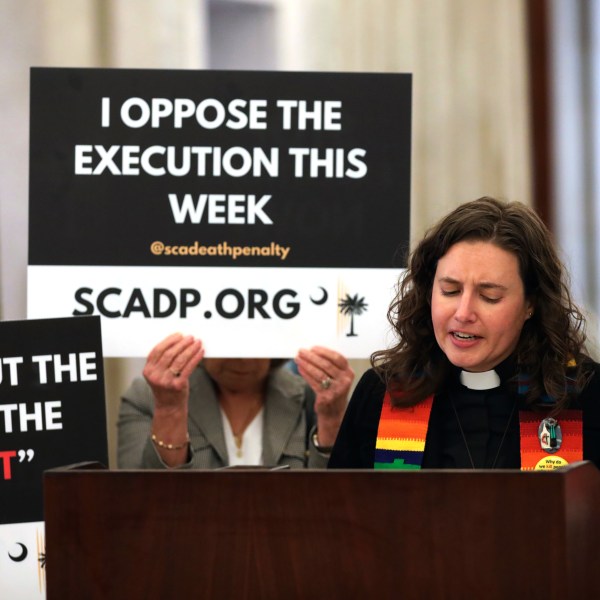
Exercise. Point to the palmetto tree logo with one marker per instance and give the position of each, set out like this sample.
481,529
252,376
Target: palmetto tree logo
352,305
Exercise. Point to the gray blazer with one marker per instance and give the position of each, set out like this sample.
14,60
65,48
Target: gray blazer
289,421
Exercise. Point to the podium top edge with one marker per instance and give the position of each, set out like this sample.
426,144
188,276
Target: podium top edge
98,468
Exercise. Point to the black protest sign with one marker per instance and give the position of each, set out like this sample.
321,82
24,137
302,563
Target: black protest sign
52,406
219,168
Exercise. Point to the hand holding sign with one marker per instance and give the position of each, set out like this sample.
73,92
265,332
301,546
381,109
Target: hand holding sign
168,367
167,371
330,376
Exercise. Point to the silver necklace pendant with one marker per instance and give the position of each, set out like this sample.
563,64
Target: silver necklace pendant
550,435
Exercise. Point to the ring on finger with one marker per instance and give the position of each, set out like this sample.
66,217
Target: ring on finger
175,373
326,383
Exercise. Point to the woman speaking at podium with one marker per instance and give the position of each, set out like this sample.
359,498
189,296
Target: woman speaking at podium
194,412
490,368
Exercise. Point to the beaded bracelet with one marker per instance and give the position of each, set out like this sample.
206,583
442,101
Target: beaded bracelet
166,446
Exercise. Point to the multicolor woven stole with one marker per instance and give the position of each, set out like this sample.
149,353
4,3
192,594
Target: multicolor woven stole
401,435
571,447
402,432
533,456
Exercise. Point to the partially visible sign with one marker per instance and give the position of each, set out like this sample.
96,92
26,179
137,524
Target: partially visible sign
52,407
260,211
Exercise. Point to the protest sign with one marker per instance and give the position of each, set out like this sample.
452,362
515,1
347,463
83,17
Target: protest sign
52,413
260,211
52,406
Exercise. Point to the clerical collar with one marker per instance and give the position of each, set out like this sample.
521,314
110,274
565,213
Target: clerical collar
480,381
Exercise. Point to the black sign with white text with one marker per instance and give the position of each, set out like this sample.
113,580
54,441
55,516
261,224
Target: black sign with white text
52,406
218,168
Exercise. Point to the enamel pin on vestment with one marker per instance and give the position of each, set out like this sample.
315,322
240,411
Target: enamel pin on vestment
550,435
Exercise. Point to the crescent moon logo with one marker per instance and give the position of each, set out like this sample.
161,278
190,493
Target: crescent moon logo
19,557
321,300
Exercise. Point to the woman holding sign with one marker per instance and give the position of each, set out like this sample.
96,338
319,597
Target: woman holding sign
208,413
490,369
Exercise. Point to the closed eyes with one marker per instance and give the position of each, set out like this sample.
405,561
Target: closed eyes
482,296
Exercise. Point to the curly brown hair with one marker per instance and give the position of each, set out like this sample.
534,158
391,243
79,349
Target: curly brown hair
551,340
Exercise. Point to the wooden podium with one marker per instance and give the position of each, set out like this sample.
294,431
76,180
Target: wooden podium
237,534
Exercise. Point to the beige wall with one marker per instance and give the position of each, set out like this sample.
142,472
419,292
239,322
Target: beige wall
469,63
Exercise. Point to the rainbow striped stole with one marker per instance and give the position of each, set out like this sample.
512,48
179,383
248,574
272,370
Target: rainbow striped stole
401,434
571,424
533,458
